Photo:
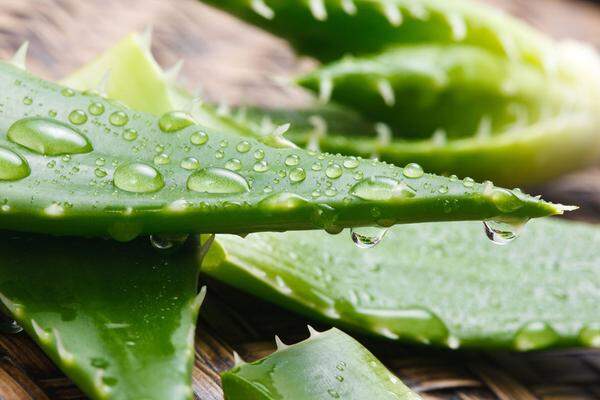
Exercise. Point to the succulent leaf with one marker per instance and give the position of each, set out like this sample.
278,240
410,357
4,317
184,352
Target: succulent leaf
442,284
368,26
118,319
99,168
327,365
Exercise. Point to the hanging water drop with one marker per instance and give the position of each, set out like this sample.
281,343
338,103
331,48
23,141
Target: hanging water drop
367,237
48,137
175,121
167,242
138,178
502,233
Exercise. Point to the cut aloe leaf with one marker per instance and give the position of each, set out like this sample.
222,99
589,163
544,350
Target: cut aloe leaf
330,29
328,365
118,319
442,284
85,165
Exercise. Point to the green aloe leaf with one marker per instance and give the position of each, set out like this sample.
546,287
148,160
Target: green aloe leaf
328,365
118,319
80,164
442,284
330,29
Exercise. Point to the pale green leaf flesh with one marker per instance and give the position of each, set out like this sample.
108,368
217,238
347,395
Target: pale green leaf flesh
118,319
328,365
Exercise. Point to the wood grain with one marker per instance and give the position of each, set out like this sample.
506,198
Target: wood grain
235,63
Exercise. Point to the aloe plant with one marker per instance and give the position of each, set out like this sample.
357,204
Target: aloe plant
330,29
431,283
118,319
328,365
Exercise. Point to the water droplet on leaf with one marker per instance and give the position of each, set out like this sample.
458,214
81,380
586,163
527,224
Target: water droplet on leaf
367,237
217,181
174,121
138,178
48,137
12,166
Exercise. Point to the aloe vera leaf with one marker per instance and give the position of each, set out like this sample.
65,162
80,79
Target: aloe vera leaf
118,319
328,365
122,175
423,88
442,284
330,29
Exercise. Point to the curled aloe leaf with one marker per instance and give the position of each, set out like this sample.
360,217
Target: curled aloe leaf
118,319
102,169
328,365
330,29
442,284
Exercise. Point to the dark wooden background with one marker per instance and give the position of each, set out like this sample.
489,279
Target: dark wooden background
235,63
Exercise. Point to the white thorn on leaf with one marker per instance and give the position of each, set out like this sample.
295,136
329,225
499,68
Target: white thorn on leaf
392,13
281,129
418,11
199,299
349,7
280,345
439,137
15,309
146,38
319,130
484,129
102,86
223,109
266,125
317,8
65,356
262,9
325,89
387,92
19,59
237,360
458,26
312,331
42,335
384,134
172,73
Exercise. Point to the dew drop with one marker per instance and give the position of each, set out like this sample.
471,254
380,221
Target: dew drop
259,154
162,159
13,167
27,100
234,164
130,134
66,92
351,163
502,233
505,200
292,160
468,182
316,166
413,170
381,188
48,137
217,181
534,336
100,172
334,171
96,109
78,117
261,166
297,175
118,118
198,138
367,237
190,163
219,154
138,178
167,242
175,121
243,147
283,201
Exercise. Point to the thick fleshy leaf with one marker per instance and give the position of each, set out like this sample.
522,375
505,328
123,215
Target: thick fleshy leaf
80,164
118,319
328,365
330,29
443,284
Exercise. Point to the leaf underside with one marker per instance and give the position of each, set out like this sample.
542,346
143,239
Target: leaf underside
118,319
443,284
327,365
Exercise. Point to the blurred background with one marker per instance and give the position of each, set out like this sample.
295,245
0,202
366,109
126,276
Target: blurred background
235,63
